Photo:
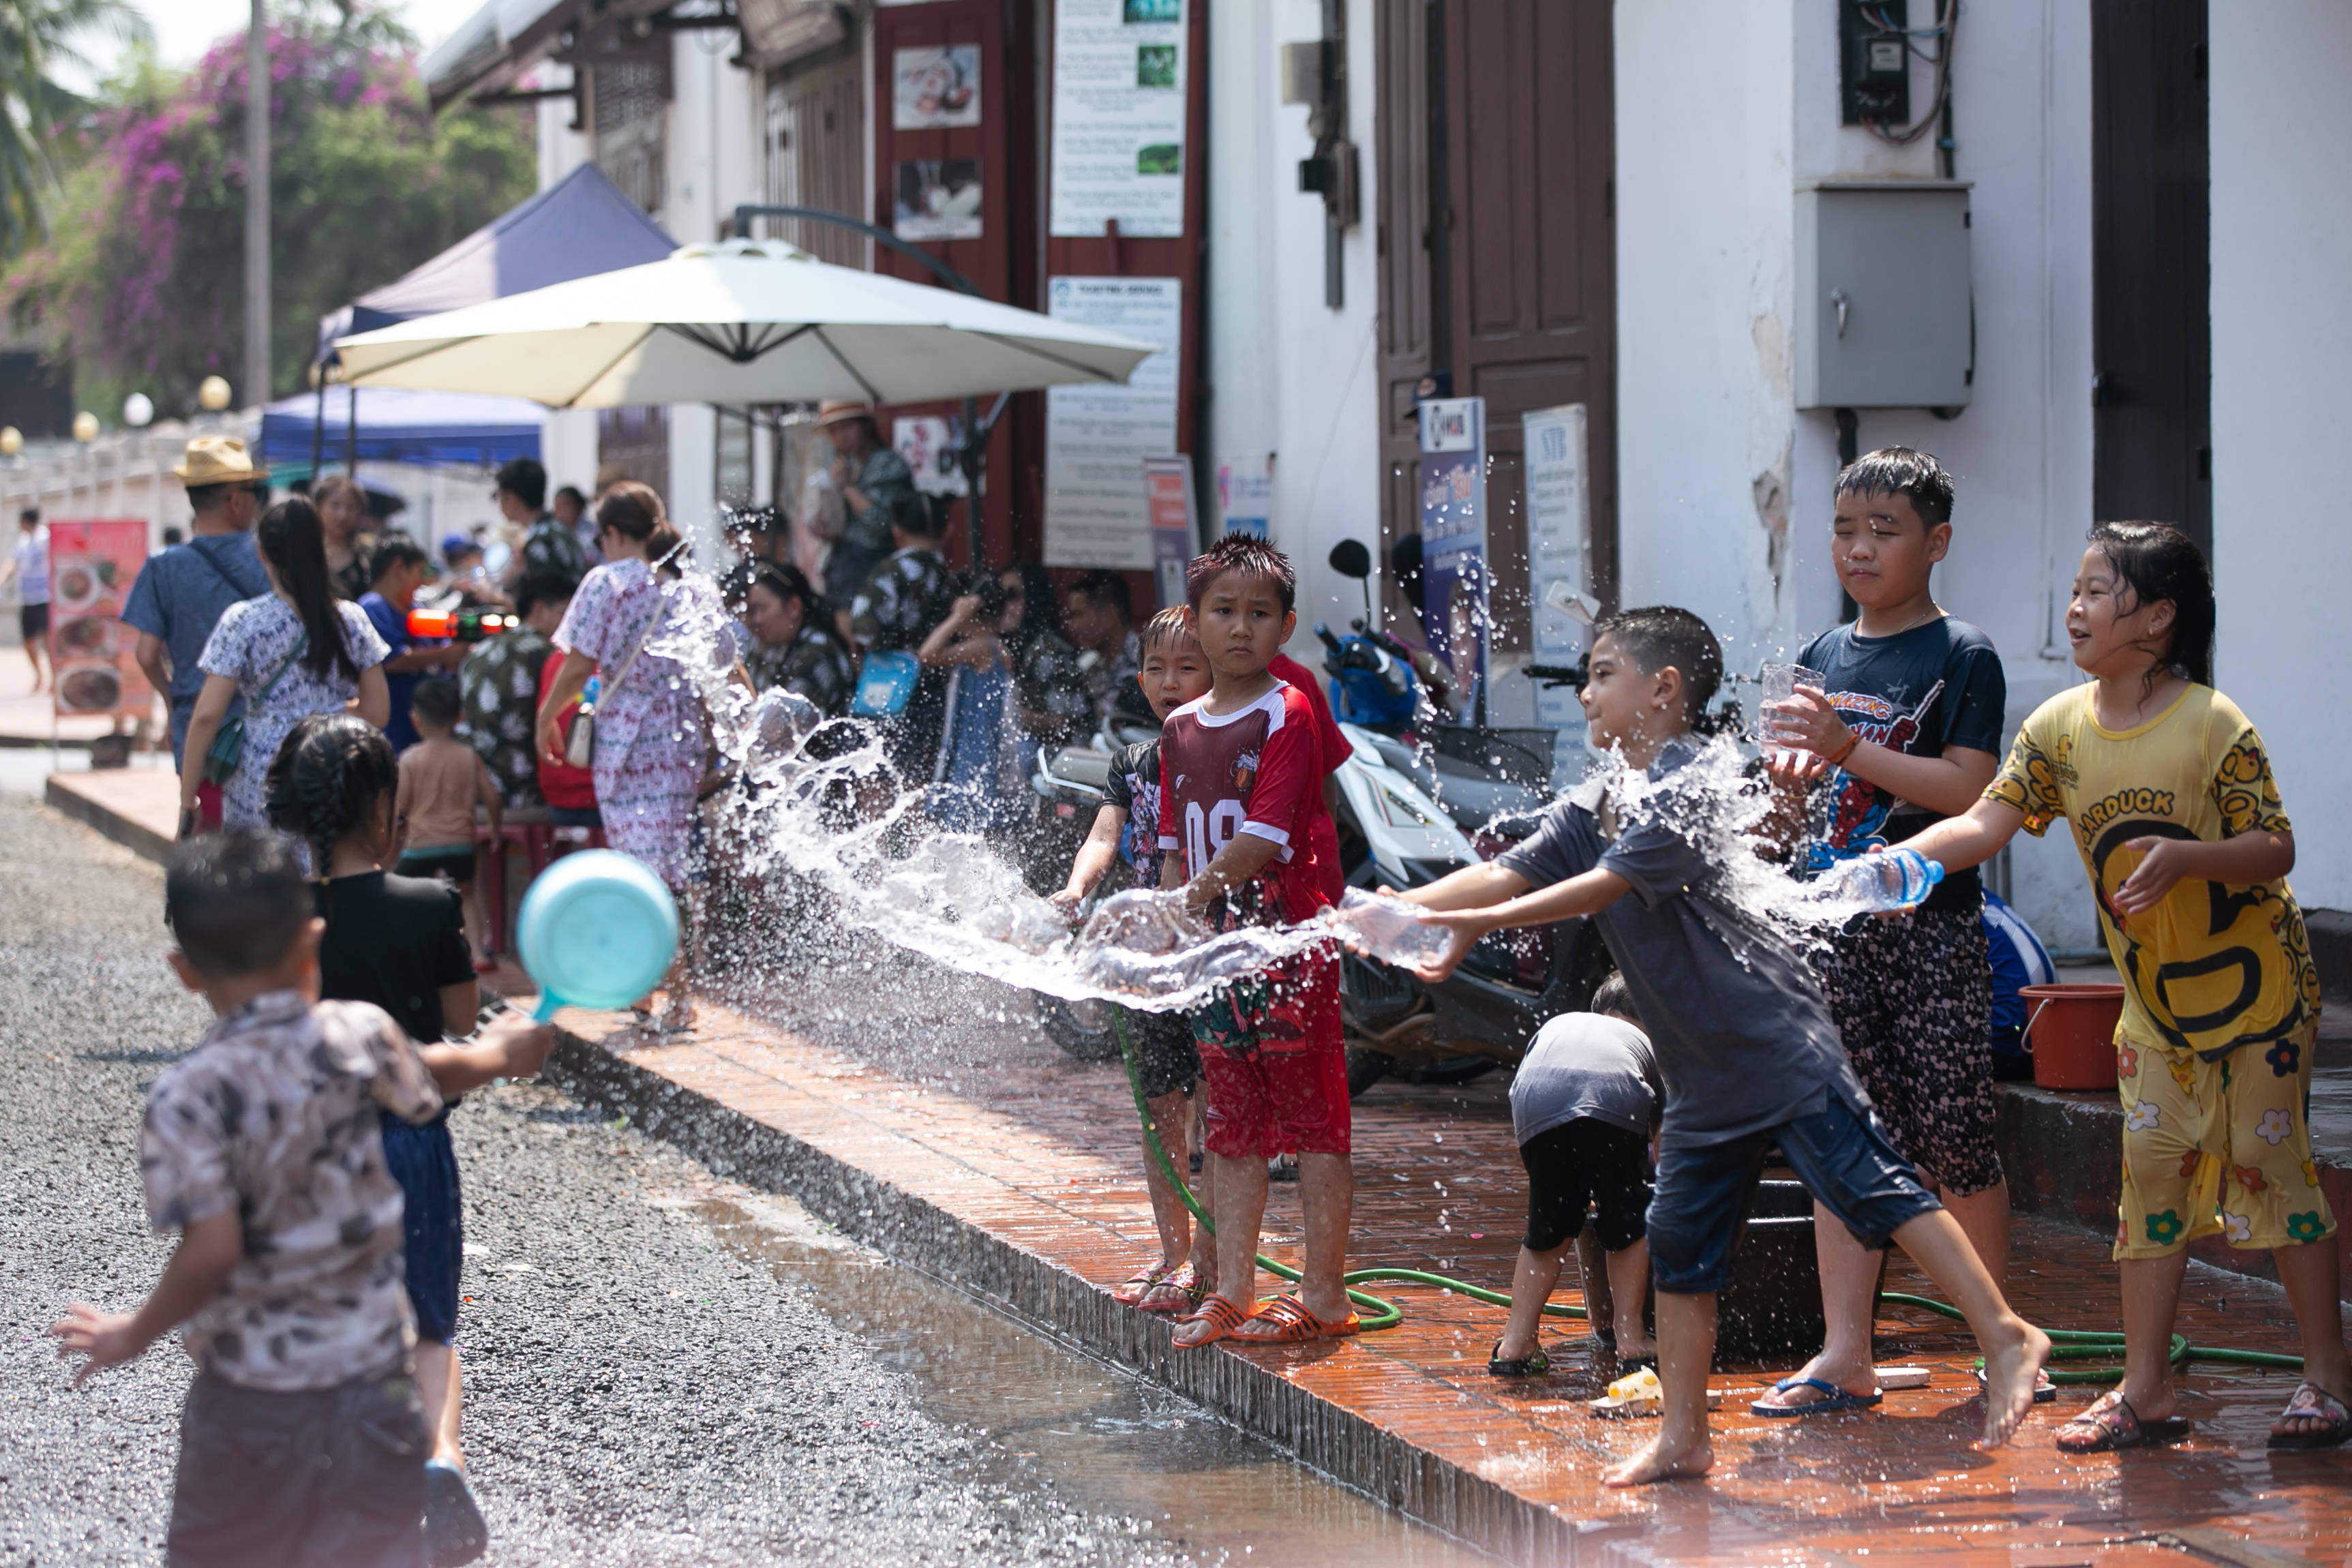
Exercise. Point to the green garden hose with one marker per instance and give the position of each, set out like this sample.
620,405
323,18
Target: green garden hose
1381,1314
2067,1344
2087,1345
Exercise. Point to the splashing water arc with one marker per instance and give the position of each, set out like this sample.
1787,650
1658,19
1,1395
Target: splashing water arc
844,824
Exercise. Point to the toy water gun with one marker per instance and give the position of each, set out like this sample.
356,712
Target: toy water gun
460,626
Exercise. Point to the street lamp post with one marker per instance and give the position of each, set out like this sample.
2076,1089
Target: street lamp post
257,204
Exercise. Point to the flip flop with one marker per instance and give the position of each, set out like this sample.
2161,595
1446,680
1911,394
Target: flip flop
2113,1425
1293,1324
1221,1316
1186,1285
1535,1365
2310,1399
1833,1400
2045,1391
1149,1275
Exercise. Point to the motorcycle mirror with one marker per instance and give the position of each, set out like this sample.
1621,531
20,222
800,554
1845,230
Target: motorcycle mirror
1350,559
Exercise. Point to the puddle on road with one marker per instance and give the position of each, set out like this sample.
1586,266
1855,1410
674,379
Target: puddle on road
1108,1442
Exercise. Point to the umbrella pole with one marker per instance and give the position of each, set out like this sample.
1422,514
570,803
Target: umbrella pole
319,424
970,459
351,435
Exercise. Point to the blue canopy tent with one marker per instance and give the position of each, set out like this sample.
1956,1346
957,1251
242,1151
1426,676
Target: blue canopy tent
431,429
579,226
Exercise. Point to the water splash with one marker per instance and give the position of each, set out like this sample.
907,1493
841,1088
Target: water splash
816,817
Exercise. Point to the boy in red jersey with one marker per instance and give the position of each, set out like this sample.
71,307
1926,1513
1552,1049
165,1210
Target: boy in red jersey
1242,807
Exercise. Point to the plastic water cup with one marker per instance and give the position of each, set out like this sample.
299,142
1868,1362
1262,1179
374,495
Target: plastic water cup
596,930
1781,682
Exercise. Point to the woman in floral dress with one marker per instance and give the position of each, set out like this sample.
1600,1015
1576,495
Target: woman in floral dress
641,626
295,651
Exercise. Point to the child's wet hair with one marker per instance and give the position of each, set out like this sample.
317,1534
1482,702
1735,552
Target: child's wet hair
1915,476
1662,634
1169,628
1244,553
1611,997
436,701
327,779
236,901
2156,561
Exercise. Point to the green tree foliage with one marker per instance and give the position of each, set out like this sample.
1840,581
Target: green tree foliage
140,283
36,38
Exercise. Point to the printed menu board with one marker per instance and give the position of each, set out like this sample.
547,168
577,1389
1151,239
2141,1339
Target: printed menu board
92,568
1119,118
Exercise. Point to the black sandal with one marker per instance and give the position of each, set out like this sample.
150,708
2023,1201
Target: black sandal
1535,1365
2310,1400
2113,1425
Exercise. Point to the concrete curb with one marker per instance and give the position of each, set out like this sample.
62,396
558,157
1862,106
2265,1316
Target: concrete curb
906,1227
102,817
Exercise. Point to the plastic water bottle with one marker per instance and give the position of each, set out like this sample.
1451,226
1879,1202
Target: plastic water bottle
1895,879
1390,929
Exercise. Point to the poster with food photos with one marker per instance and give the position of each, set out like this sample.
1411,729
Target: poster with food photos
92,568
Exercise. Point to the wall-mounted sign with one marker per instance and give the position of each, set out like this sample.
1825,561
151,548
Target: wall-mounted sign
936,198
1175,525
1097,437
1560,552
935,87
1454,542
1119,118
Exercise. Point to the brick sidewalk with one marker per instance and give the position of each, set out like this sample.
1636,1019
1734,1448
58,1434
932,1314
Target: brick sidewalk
1022,1181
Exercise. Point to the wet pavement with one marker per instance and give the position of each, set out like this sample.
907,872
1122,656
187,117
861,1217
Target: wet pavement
981,1146
661,1368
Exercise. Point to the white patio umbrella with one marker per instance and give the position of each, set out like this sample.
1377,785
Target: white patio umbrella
744,321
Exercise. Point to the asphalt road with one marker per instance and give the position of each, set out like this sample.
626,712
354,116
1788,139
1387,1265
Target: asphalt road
636,1392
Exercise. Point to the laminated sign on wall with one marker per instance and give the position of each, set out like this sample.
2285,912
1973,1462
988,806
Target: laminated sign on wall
1097,437
1119,118
1453,541
1559,536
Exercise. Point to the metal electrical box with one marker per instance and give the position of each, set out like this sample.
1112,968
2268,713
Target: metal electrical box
1883,300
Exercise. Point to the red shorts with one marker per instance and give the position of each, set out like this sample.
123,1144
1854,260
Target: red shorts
1275,1064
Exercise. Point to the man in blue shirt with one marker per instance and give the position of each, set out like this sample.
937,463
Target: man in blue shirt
398,569
181,593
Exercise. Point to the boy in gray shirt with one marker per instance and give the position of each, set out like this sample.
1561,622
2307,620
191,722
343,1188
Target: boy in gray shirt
1745,1044
1582,1106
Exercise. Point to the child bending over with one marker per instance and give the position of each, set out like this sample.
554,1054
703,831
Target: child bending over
261,1147
2187,847
1583,1104
1166,1061
1744,1040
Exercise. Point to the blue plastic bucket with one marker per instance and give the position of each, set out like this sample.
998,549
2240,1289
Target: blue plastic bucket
596,930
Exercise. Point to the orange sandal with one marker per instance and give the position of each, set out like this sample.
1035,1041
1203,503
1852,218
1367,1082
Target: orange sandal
1288,1321
1221,1318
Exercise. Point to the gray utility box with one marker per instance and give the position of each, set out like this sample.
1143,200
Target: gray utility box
1883,302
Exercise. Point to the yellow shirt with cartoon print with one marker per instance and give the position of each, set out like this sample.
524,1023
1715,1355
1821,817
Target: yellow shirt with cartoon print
2213,967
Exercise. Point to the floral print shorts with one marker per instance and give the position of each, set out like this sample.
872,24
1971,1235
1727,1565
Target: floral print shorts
1913,1001
2217,1148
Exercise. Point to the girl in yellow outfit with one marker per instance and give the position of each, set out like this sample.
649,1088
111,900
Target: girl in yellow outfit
2188,847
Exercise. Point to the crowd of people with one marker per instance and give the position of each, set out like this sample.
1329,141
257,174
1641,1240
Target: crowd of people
350,767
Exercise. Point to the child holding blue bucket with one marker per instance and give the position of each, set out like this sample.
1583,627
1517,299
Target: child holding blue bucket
2179,823
400,943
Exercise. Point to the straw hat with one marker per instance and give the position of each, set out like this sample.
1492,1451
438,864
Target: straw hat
838,410
218,461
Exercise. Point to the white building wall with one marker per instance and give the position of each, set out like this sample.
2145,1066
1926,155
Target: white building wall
2281,254
1288,376
1725,488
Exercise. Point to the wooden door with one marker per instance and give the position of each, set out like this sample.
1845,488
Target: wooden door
2151,338
1497,250
816,156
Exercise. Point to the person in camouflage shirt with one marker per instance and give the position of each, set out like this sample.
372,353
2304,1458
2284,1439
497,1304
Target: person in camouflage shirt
500,684
549,549
1101,619
1054,708
791,645
906,598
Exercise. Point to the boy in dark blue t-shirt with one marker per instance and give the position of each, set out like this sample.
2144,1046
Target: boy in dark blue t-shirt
1904,731
1744,1041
